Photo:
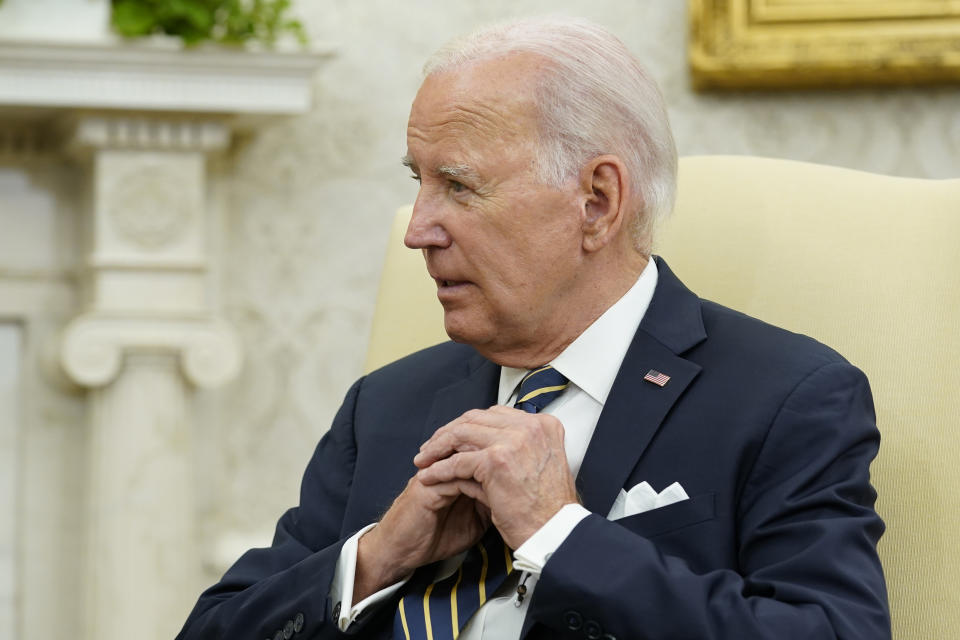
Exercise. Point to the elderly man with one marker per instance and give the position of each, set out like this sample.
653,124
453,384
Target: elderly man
603,454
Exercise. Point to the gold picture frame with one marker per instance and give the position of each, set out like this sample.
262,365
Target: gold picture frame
749,44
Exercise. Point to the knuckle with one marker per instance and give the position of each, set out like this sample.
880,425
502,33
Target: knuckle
558,427
459,464
473,414
499,456
438,471
438,443
463,465
550,424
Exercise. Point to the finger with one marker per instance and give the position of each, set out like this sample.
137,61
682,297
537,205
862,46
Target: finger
502,409
432,497
481,417
473,489
441,431
453,438
450,491
540,422
459,466
498,416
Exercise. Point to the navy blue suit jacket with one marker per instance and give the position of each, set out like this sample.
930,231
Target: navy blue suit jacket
770,433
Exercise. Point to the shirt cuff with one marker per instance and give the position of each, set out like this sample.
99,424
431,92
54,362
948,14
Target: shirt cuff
533,554
341,590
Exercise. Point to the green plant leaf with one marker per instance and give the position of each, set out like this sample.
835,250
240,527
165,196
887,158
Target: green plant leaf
225,21
133,18
197,14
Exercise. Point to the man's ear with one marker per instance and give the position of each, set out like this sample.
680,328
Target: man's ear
605,189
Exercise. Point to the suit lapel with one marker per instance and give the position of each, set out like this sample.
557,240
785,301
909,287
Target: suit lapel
630,418
478,389
636,408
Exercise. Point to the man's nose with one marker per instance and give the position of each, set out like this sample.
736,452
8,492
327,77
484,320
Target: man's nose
426,229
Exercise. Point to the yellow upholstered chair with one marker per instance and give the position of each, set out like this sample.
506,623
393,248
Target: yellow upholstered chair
868,264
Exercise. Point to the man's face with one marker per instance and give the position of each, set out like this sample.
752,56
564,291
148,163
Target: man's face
502,246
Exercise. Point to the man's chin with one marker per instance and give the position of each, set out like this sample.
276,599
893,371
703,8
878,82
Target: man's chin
456,334
459,329
484,339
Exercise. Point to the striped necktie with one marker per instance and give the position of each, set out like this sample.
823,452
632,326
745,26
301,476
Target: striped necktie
539,388
438,610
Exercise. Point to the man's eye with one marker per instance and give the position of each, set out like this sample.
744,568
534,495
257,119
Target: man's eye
457,187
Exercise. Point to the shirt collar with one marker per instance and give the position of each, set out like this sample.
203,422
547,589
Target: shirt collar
610,335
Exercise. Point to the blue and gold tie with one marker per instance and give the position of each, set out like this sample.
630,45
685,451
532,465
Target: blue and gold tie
439,610
539,388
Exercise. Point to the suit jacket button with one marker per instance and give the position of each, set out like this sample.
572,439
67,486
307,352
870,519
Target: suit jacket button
336,612
573,620
608,636
298,623
592,630
288,630
278,635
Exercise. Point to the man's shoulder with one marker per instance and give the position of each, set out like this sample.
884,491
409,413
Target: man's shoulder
432,365
407,388
722,338
738,337
753,369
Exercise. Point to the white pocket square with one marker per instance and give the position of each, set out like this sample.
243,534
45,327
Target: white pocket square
642,498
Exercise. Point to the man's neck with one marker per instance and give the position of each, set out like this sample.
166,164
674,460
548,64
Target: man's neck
573,318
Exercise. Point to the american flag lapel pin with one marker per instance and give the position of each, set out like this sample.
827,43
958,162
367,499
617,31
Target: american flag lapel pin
657,378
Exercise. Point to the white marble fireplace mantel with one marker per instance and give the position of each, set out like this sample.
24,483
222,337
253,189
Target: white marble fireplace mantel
141,120
158,75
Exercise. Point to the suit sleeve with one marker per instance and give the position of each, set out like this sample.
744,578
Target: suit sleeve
806,545
287,584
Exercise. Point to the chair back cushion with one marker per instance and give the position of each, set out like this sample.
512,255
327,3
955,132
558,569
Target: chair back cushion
408,316
867,264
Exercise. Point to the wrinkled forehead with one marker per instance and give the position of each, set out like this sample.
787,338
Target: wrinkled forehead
494,99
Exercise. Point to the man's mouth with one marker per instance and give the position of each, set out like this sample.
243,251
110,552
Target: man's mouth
450,290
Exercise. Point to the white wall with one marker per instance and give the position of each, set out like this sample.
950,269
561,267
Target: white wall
9,428
42,429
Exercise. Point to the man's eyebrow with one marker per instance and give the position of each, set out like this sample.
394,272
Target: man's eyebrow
456,171
446,170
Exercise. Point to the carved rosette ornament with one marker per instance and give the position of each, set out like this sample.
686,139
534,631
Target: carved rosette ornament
149,207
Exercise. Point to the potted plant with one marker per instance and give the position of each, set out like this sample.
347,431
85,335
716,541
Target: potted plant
231,22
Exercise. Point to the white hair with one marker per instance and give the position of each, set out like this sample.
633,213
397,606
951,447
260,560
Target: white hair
594,98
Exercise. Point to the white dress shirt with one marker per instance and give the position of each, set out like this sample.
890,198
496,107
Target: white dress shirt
591,363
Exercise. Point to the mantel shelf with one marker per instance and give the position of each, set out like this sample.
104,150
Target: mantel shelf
156,75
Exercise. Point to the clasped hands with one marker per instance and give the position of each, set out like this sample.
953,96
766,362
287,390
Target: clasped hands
498,465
